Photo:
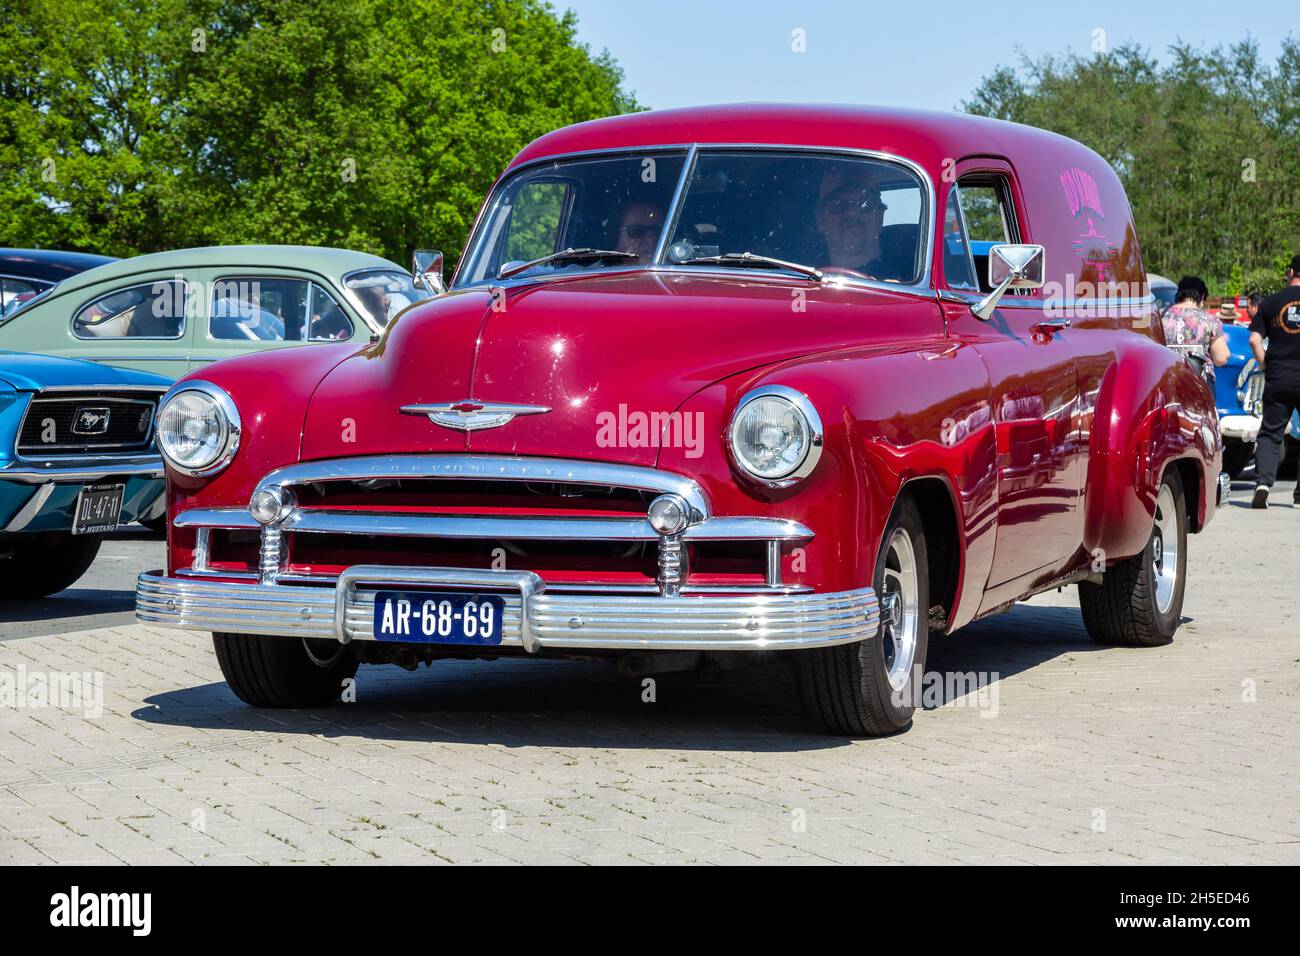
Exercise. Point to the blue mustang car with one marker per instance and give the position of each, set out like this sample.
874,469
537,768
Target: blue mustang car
77,459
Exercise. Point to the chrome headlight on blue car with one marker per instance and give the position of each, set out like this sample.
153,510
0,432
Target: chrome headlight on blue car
198,428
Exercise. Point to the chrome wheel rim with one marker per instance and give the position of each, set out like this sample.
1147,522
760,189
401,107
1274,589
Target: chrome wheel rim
1164,550
900,603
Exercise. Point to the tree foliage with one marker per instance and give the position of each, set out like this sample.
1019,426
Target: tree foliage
1207,145
131,126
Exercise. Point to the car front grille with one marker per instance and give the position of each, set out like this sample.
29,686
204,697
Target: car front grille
71,423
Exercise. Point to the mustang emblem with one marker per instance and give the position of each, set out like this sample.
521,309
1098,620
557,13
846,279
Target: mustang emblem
90,421
469,415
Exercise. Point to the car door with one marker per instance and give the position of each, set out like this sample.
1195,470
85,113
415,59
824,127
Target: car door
143,322
1032,373
251,309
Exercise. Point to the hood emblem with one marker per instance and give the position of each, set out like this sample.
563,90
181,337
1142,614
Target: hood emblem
469,415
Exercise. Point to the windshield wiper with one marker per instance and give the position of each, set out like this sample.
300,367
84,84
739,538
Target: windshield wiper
567,255
750,259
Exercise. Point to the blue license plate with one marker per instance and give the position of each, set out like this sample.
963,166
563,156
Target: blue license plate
438,617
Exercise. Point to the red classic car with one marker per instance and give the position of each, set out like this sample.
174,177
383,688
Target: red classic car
706,382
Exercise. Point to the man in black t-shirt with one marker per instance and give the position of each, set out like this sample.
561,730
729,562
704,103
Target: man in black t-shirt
1278,321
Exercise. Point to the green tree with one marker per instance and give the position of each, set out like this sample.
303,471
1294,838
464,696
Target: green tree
370,124
1207,146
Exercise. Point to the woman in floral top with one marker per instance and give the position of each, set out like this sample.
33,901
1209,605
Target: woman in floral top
1188,324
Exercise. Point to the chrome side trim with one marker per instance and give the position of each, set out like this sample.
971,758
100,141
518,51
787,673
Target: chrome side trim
542,619
489,468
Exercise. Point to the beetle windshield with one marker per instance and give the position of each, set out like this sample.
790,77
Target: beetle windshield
842,215
613,205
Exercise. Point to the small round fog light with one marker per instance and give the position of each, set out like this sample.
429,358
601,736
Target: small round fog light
270,505
669,514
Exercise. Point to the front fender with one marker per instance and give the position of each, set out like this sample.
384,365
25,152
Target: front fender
891,416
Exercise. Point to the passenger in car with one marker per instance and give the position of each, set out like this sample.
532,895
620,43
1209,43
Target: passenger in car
849,219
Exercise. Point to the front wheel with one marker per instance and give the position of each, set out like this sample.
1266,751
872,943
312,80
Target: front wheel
1139,601
284,671
42,564
866,689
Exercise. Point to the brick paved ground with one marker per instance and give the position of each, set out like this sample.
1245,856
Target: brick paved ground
1092,756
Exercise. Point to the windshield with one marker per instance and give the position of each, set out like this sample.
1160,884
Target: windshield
612,205
804,213
383,293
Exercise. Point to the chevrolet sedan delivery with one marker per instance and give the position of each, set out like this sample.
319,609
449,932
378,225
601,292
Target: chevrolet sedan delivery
707,383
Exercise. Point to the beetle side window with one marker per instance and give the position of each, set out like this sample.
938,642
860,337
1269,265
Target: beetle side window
152,310
15,293
382,293
272,309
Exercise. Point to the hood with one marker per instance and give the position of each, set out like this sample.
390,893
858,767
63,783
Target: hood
25,372
603,353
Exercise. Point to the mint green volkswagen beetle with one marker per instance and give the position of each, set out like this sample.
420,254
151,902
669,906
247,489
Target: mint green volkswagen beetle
173,312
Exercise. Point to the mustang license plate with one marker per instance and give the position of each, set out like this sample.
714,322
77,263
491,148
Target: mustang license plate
99,508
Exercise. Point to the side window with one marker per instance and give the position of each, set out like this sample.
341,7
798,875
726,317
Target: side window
989,217
153,310
957,267
256,309
328,321
15,292
535,222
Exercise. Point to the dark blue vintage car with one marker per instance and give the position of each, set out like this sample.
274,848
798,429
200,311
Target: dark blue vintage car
77,459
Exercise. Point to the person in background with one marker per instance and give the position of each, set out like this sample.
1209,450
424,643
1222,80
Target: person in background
1187,323
1252,306
1228,314
1278,323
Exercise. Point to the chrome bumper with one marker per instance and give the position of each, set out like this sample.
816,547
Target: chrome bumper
534,619
1224,488
41,472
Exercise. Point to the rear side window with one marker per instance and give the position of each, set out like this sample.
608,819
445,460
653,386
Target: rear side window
273,309
152,310
14,293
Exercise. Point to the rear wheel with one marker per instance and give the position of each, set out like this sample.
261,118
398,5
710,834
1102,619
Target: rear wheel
866,689
1139,601
284,671
42,564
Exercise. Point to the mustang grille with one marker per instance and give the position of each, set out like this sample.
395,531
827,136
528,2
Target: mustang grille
98,421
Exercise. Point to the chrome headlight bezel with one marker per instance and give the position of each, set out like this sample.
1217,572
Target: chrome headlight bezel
231,430
801,406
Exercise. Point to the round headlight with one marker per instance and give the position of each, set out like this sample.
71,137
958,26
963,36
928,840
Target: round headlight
198,428
776,435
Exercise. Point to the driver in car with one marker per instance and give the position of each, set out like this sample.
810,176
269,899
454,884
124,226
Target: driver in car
638,230
849,217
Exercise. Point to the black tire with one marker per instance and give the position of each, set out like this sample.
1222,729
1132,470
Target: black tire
1236,456
277,671
1123,609
846,689
44,564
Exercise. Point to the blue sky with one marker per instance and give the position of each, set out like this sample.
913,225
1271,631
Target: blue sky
925,55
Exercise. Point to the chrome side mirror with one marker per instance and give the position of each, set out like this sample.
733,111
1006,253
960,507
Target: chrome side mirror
426,270
1010,267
